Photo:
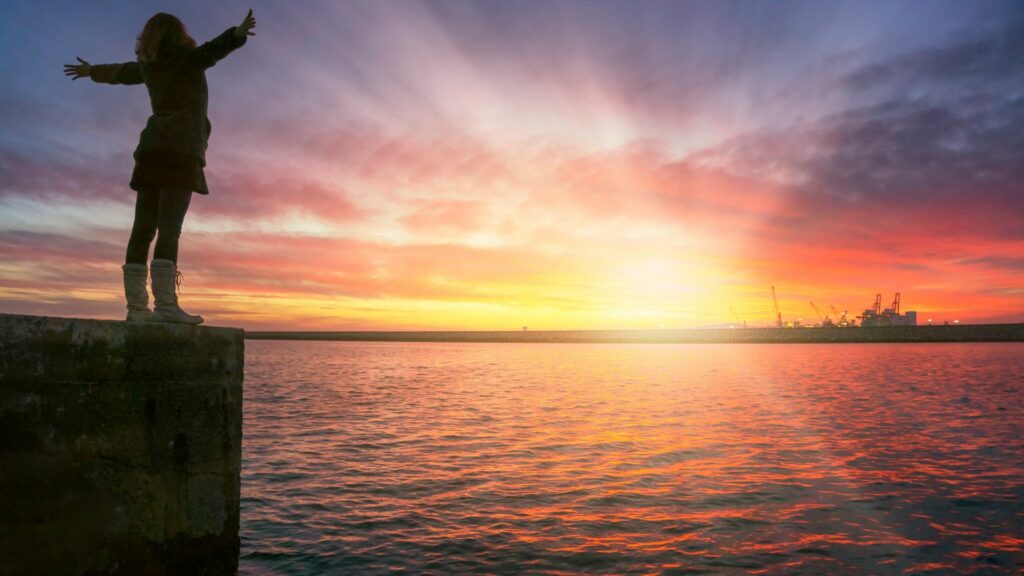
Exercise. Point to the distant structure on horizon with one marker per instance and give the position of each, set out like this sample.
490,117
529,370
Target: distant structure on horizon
875,316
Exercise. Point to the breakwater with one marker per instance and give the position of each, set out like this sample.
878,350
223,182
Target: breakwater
120,447
881,334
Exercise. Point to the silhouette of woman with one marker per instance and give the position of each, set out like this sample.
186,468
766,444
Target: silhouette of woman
171,154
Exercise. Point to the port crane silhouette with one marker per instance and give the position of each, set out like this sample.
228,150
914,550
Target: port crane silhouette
822,317
778,315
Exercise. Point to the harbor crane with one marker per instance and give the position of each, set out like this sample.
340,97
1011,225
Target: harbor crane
778,315
841,319
822,317
875,316
737,317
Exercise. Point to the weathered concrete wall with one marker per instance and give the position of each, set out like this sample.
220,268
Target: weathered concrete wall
120,447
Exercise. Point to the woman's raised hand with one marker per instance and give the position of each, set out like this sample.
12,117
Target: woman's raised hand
245,28
77,71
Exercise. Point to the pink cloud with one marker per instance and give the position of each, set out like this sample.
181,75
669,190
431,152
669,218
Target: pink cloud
252,193
446,214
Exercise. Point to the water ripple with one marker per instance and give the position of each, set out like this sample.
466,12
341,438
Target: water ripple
375,458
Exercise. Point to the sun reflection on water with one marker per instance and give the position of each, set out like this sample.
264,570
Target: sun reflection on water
582,459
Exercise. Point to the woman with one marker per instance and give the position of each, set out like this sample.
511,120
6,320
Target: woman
171,154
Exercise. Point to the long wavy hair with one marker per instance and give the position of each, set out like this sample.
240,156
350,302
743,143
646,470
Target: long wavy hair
161,32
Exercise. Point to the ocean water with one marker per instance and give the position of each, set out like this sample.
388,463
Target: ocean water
439,458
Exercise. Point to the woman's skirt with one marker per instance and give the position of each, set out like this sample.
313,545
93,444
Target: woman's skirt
169,169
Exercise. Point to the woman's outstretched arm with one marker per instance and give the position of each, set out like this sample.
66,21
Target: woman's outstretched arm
210,52
125,73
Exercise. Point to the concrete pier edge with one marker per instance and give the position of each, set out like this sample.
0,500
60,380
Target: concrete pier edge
120,447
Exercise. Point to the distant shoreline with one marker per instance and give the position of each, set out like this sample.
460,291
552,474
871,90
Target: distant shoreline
882,334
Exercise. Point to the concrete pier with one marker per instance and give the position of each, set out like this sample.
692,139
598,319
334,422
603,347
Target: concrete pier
120,447
879,334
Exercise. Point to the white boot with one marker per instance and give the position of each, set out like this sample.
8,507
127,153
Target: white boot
135,292
164,274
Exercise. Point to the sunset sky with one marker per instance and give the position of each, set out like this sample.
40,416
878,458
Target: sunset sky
561,165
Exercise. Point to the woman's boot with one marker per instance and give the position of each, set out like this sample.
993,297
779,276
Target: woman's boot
135,292
164,274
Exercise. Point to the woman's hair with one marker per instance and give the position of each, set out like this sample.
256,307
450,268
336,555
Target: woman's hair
162,31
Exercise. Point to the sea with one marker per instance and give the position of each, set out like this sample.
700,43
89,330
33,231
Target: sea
483,458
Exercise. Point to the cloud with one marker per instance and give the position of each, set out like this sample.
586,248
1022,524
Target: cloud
57,250
976,61
456,215
263,192
1014,264
948,162
55,176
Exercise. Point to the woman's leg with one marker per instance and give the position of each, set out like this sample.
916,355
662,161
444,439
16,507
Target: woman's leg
147,204
173,204
134,269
